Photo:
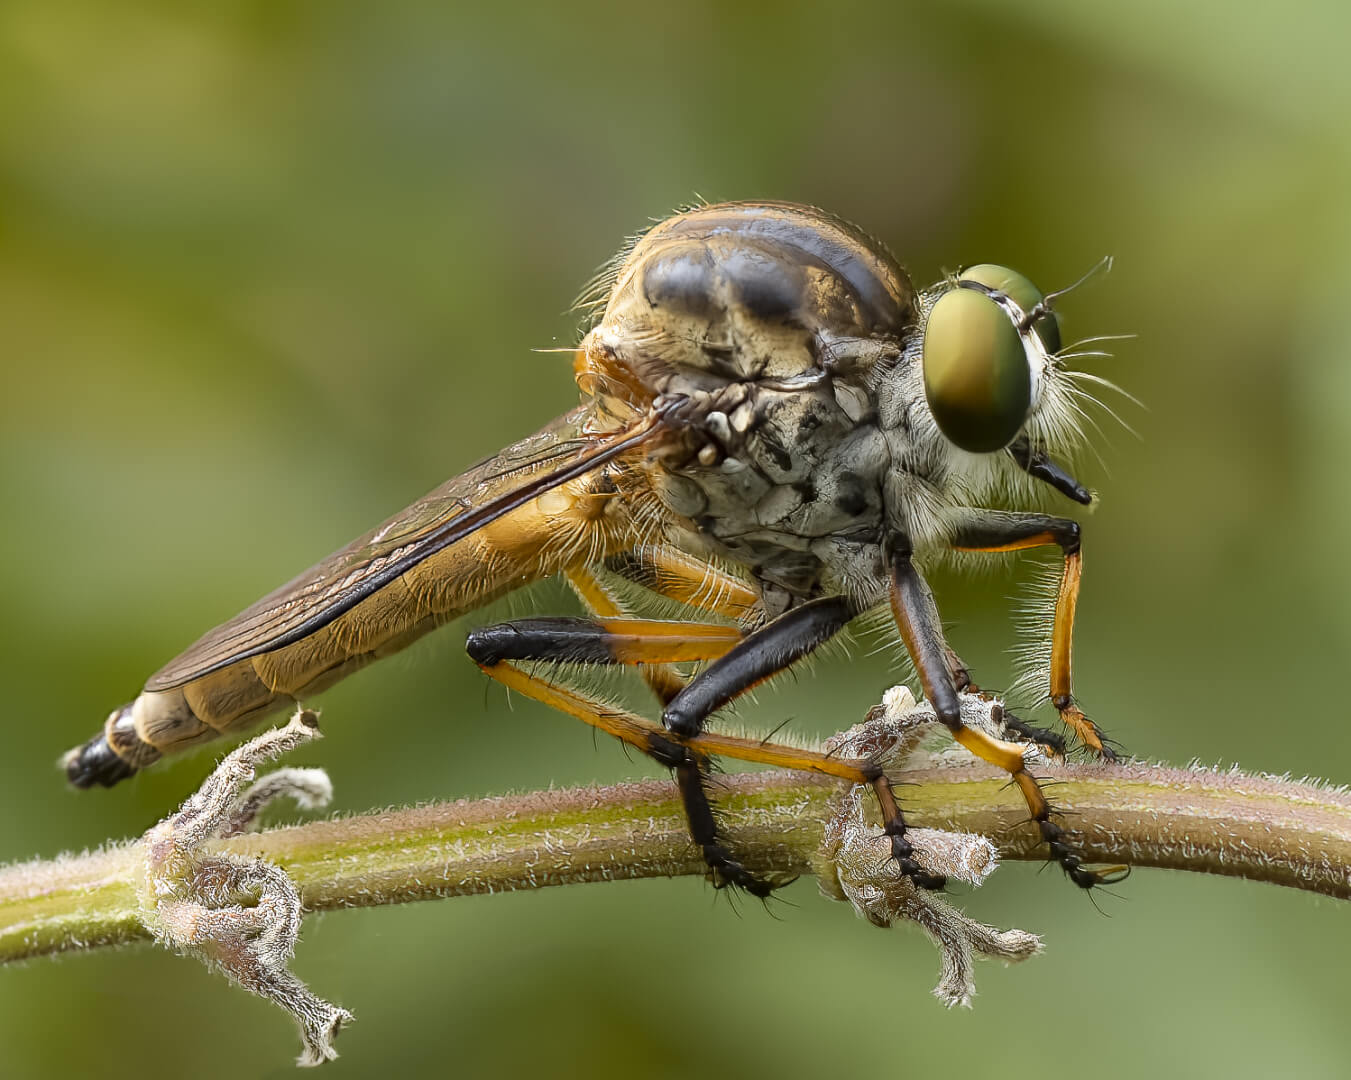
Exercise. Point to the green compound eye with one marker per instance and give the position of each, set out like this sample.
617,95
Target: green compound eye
1022,292
976,375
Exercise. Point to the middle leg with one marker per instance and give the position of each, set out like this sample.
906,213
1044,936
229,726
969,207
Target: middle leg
765,653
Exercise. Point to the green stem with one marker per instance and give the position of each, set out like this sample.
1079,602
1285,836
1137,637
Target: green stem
1294,834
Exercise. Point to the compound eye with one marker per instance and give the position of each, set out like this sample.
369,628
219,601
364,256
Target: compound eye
1022,292
976,375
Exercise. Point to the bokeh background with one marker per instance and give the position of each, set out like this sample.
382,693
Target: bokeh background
269,270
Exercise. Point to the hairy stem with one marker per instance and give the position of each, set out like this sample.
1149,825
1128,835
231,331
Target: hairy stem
1229,823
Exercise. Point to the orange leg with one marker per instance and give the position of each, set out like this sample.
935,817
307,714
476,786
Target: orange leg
665,680
921,630
678,576
642,734
689,759
743,661
995,531
686,583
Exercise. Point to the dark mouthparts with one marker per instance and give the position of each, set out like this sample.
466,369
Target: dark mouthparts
1040,467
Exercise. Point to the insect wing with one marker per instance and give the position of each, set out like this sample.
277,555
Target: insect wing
464,503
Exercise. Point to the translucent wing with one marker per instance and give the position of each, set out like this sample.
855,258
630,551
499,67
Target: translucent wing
559,452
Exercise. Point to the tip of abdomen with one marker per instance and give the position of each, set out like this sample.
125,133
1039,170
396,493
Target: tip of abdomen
98,762
95,763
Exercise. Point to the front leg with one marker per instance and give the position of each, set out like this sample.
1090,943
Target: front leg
917,618
999,531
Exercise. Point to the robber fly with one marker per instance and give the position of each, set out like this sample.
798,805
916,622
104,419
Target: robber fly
775,429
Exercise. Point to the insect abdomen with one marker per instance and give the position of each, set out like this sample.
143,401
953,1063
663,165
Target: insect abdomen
569,524
162,722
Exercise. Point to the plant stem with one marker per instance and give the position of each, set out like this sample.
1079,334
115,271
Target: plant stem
1229,823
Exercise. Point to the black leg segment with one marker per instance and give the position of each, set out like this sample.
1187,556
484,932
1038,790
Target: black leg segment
499,650
998,530
917,618
565,640
763,654
1050,741
691,776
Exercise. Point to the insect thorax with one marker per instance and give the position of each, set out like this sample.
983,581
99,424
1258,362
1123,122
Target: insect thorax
782,331
786,483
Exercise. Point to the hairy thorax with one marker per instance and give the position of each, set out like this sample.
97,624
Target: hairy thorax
773,329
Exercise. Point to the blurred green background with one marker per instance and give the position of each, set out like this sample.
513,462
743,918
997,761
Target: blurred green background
270,270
